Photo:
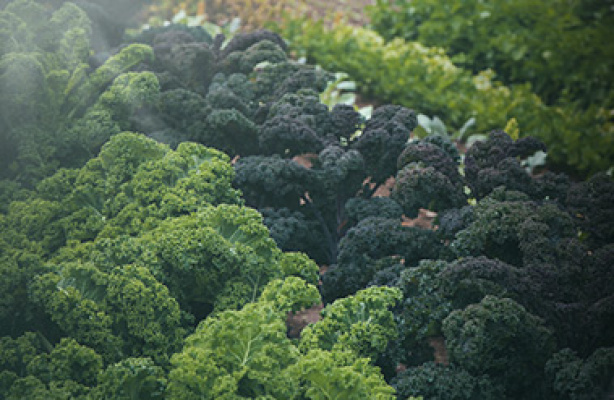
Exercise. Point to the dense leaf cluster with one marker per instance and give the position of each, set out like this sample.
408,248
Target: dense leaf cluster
255,359
557,46
120,269
346,161
521,274
470,95
141,269
58,106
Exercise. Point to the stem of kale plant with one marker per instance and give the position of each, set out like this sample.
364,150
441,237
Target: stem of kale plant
370,192
332,242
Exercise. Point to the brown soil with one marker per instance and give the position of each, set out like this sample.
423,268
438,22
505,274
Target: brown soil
424,220
440,352
350,11
296,322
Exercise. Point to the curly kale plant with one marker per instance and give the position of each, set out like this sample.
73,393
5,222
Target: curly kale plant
246,353
129,379
57,109
440,382
517,231
33,368
132,186
499,338
373,239
576,378
217,258
124,256
591,204
125,312
496,162
339,166
362,323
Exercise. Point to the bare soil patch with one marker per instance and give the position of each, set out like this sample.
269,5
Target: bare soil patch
350,11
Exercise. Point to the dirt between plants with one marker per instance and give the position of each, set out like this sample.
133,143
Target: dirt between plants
351,12
296,322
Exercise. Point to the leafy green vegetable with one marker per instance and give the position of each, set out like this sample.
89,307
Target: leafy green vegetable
57,110
131,379
124,312
577,378
499,338
424,77
437,381
32,367
246,354
361,323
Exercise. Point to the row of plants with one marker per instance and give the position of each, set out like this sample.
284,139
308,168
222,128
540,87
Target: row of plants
427,79
557,51
159,254
560,47
132,269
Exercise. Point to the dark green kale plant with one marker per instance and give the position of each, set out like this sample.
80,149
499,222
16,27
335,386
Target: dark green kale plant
339,165
518,248
439,382
574,378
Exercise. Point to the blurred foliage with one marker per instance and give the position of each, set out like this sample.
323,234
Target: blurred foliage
58,104
561,47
